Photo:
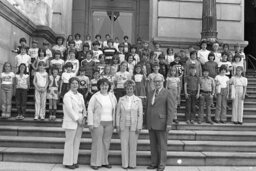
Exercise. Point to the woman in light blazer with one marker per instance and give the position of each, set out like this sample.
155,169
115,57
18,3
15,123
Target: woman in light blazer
73,123
101,121
129,123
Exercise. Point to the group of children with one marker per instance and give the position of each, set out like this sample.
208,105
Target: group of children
201,75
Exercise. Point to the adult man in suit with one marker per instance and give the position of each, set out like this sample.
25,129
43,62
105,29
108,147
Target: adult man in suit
159,115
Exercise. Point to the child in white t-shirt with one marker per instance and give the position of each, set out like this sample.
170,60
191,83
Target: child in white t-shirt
222,93
7,89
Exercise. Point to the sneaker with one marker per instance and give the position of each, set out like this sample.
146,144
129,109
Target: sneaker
21,117
53,117
50,117
210,122
188,122
199,122
192,122
42,118
17,117
36,118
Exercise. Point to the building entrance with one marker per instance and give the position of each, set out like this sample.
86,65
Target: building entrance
113,22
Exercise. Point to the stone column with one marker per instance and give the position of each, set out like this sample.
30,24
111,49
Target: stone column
209,21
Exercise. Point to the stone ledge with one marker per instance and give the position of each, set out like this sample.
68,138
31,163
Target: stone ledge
18,19
184,43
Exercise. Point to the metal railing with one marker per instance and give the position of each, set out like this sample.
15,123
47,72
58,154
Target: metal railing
251,61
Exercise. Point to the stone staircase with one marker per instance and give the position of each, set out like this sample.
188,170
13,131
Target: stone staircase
188,145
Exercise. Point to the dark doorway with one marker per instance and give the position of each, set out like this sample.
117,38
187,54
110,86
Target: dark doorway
250,31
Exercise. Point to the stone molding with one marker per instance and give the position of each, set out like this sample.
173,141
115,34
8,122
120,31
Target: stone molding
15,17
184,43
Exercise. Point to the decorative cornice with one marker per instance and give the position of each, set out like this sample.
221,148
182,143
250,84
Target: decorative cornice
18,19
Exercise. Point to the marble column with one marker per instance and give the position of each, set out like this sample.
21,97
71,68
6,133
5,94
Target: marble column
209,21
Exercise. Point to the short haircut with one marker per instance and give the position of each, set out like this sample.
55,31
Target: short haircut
60,37
237,55
120,45
71,42
95,43
240,67
54,67
110,41
203,42
103,81
176,55
225,45
72,79
72,51
97,35
89,52
23,40
77,34
205,69
223,67
126,37
129,83
41,63
86,45
225,53
193,52
68,65
57,52
211,54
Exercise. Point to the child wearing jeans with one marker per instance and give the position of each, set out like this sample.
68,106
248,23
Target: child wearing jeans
222,93
173,85
207,91
192,90
22,84
40,83
240,83
53,92
7,89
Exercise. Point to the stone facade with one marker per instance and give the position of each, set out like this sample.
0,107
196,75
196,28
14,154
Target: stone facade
179,22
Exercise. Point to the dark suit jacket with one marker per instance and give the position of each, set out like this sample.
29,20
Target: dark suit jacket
161,113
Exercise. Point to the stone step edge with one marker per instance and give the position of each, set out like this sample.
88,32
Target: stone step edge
195,133
117,141
184,154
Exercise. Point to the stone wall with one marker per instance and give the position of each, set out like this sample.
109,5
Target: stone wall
181,20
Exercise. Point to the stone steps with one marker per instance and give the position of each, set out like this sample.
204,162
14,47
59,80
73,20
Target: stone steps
143,157
192,135
143,144
181,126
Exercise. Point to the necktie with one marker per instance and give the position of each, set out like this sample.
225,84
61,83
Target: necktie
154,97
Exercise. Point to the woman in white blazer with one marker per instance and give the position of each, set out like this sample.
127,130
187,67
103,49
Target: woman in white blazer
73,123
129,123
101,121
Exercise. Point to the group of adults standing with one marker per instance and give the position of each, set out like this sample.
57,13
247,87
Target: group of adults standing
105,114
